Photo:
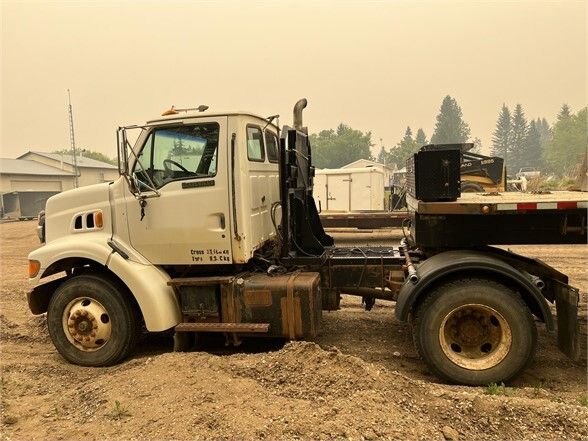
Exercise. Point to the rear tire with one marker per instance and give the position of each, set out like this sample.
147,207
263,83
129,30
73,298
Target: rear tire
475,332
471,187
92,321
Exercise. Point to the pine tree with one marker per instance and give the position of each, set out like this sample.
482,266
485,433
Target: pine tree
564,113
544,131
531,155
421,138
404,149
450,127
502,134
408,135
518,136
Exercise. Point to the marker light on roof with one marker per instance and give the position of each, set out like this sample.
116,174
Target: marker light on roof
174,111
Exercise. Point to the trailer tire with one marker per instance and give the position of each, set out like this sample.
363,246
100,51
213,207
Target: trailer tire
92,322
471,187
475,332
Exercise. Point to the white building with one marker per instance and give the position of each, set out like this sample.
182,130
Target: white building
90,171
27,182
26,185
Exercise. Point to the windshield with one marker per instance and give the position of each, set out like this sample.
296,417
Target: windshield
173,153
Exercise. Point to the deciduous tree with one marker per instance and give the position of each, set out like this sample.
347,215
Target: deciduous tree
336,148
568,144
89,154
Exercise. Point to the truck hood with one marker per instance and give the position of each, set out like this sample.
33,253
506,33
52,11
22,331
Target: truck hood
62,210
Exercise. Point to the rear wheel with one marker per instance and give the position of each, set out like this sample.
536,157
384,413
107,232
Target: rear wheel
475,332
471,187
92,322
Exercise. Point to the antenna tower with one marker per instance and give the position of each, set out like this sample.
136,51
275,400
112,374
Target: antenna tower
72,141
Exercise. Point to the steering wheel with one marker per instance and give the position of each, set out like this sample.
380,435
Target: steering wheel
167,165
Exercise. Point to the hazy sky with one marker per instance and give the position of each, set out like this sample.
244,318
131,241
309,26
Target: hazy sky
376,66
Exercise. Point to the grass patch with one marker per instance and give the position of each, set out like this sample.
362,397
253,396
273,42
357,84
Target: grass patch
119,411
496,389
584,401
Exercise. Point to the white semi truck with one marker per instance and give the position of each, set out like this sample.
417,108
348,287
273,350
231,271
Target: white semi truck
211,227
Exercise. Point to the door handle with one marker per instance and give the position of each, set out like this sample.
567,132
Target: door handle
222,221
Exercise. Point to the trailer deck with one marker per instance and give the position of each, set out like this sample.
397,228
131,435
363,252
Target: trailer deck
477,219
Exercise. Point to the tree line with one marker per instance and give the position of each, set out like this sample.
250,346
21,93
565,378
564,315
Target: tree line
553,149
520,141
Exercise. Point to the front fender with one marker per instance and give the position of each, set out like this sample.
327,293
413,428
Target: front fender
464,262
147,283
157,301
93,247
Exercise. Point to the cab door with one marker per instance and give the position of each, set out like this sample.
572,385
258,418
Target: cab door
182,177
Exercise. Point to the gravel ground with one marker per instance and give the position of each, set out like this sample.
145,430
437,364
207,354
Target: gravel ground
361,379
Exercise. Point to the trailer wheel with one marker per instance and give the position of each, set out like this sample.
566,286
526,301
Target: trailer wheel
475,332
91,322
471,187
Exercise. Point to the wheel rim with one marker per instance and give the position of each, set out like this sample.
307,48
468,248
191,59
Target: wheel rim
475,337
86,324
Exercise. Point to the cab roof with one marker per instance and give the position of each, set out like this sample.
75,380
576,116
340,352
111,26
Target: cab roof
196,115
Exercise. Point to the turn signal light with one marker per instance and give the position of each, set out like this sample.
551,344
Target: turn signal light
98,219
34,267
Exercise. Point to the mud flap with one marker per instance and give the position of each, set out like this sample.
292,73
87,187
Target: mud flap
566,301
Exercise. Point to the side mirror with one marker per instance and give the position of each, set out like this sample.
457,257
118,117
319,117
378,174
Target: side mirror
121,139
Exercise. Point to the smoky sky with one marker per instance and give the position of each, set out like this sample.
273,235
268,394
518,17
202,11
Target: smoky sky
376,66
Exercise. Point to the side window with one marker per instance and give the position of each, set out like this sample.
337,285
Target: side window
175,153
271,145
255,150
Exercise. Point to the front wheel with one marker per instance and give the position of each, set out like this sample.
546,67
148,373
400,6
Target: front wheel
91,321
475,332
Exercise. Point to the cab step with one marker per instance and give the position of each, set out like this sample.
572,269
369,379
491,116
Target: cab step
223,327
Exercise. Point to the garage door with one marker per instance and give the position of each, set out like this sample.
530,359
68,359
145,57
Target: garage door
35,185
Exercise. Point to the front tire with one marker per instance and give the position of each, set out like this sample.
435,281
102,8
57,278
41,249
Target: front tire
91,321
475,332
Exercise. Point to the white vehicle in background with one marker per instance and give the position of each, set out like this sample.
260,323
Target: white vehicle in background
528,173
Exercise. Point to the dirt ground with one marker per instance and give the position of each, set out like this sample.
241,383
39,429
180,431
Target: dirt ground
362,379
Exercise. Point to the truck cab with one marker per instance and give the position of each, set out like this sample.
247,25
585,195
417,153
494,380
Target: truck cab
194,196
200,188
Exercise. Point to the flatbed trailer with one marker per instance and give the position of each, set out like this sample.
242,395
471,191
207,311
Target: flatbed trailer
471,304
510,218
